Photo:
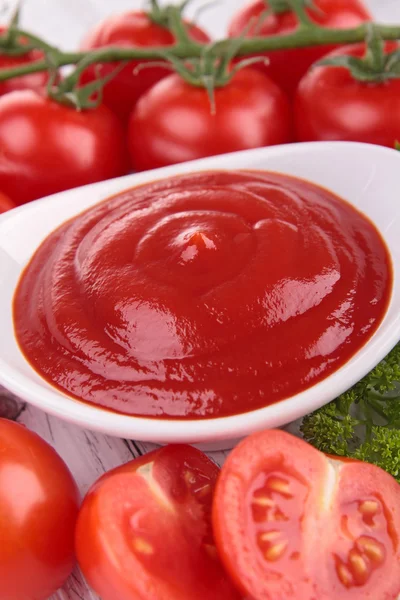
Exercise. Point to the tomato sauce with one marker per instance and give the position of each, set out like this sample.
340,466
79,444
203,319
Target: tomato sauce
201,296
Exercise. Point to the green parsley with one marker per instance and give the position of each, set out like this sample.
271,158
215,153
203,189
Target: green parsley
364,422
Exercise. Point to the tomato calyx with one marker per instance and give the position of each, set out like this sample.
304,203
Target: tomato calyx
161,15
279,7
69,92
376,66
158,14
212,70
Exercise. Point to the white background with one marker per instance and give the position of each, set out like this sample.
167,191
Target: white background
63,22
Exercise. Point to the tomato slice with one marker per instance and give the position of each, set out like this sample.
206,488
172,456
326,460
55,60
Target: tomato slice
144,531
292,523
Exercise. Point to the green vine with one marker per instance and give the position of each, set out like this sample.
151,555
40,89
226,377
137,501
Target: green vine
314,36
376,66
17,41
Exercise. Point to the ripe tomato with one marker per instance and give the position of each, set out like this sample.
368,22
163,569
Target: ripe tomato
290,522
131,29
173,122
332,105
144,531
38,510
287,67
5,203
33,81
48,147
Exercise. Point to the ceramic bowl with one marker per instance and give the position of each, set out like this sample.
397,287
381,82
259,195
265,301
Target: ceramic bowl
365,175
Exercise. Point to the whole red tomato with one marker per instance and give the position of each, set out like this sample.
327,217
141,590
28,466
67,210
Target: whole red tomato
5,203
48,147
174,123
287,67
331,105
38,511
144,531
33,81
131,29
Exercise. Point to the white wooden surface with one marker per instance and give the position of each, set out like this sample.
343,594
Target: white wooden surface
88,454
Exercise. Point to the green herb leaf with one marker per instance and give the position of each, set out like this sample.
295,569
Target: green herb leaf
364,422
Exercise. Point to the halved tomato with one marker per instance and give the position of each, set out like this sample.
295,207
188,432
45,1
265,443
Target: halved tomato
292,523
144,531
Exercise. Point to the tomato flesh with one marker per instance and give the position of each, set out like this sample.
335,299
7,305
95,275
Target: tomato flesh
291,523
364,557
144,532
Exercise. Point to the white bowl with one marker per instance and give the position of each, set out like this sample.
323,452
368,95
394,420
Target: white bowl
365,175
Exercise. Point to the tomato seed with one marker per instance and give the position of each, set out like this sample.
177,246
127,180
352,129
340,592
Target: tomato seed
344,574
280,486
372,549
269,536
264,501
142,546
276,551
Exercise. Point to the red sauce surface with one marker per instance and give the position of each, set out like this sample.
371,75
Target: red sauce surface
203,296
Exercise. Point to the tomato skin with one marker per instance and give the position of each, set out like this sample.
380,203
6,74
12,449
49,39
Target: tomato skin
173,122
38,509
290,522
287,67
5,203
32,81
164,498
48,147
131,29
331,105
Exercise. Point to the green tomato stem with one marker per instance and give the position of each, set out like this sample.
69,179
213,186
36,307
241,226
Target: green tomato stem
177,25
36,42
304,36
298,6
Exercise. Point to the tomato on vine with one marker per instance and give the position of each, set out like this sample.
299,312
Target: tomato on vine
354,97
135,29
31,81
173,122
268,18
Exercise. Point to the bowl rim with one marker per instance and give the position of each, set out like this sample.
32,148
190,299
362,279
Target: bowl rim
166,430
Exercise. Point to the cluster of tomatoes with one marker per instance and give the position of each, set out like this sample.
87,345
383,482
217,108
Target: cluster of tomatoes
280,520
151,118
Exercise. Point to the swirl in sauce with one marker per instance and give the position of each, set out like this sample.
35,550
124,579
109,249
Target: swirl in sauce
202,296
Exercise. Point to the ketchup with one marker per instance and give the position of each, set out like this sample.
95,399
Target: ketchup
201,296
